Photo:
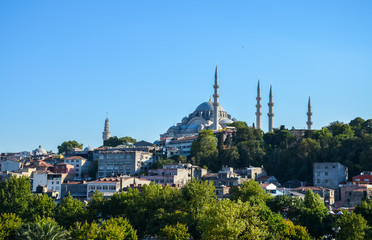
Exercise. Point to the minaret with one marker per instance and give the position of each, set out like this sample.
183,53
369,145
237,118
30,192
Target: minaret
258,106
309,115
271,113
215,101
106,131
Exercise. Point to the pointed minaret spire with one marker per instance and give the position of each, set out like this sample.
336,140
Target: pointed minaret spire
309,115
215,100
106,131
258,106
271,113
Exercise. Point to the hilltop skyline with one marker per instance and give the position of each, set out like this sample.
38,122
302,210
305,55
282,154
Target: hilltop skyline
64,65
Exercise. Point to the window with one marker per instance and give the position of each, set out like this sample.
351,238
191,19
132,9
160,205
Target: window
112,187
57,182
326,167
318,180
326,180
326,173
52,182
105,187
77,165
318,174
367,180
57,188
334,166
91,187
99,187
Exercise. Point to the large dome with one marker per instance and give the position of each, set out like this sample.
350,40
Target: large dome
40,151
207,106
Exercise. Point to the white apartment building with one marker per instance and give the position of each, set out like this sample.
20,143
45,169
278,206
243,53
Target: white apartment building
53,181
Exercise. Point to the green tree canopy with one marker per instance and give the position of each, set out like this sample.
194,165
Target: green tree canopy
68,211
68,146
178,231
204,149
249,191
15,194
9,223
115,141
352,226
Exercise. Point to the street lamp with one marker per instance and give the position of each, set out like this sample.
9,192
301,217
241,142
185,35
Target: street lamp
335,229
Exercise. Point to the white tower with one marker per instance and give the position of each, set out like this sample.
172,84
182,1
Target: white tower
309,115
271,113
216,104
258,106
106,131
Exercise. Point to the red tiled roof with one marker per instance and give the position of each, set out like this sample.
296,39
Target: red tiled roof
262,178
74,157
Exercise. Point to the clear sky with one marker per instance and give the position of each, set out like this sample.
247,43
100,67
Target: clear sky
64,64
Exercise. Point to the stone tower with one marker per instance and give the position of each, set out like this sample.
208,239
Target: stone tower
106,131
309,115
271,113
216,104
258,106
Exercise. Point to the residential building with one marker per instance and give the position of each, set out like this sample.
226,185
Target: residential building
353,194
363,178
329,174
251,172
52,181
81,166
269,188
122,162
169,175
109,186
226,177
327,194
77,189
267,179
11,165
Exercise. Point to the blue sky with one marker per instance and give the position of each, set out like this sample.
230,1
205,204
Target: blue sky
64,64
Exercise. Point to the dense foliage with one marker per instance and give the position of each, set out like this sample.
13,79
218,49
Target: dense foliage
115,141
170,213
284,155
68,146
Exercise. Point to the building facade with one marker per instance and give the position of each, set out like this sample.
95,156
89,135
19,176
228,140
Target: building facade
122,162
329,174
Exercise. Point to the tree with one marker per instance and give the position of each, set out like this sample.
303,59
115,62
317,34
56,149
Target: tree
83,231
204,149
40,207
117,228
44,229
68,146
365,209
68,211
175,232
96,207
294,232
225,219
15,194
352,226
249,191
9,223
314,216
115,141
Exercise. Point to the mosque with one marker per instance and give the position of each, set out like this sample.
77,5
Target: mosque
211,115
208,115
